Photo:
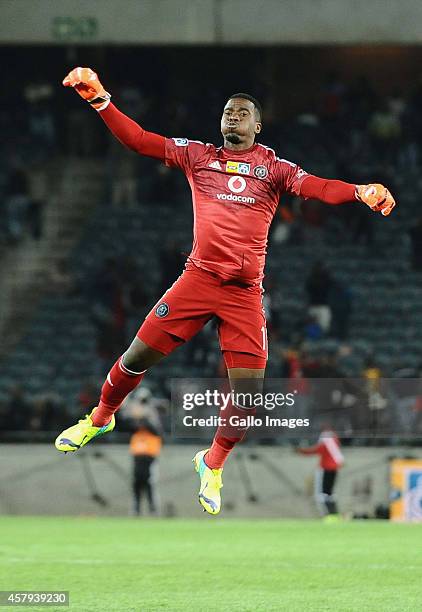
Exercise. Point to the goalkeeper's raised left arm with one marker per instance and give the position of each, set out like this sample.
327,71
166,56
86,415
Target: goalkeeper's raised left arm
87,84
374,195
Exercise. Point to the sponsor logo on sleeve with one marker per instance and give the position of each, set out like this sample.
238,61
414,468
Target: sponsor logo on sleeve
162,310
181,142
260,172
238,167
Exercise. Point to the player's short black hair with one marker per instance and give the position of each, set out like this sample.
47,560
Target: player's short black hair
254,101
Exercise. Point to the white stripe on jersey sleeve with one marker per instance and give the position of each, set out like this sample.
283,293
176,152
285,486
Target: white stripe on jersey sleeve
267,148
334,450
280,159
287,162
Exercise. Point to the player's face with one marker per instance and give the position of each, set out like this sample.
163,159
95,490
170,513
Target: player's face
239,123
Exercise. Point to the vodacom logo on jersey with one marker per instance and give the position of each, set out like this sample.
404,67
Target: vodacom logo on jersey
236,184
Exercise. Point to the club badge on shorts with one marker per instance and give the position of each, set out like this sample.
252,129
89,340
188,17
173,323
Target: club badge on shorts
162,310
260,172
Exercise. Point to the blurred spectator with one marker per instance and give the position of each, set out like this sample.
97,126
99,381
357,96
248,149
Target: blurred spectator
199,348
312,330
108,311
384,125
61,278
378,418
39,190
145,447
83,139
17,410
372,374
332,101
293,368
318,286
17,204
397,103
280,229
88,395
331,460
270,301
292,364
42,129
326,365
384,128
133,103
46,412
125,183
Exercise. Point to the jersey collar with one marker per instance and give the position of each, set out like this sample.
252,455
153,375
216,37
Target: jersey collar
230,152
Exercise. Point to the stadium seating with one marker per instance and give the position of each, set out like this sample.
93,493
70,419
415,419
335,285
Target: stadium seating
59,349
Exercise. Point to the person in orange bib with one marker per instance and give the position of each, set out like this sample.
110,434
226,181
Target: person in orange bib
145,446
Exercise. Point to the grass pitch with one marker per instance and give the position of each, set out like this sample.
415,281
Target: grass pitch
214,564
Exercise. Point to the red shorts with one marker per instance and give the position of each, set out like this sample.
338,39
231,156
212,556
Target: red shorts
196,297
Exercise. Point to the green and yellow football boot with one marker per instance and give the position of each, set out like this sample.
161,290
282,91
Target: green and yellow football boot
73,438
211,483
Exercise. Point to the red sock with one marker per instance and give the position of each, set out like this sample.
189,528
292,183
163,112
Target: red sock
119,383
226,437
220,449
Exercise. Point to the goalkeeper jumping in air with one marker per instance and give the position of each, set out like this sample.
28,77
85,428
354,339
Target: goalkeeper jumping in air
235,192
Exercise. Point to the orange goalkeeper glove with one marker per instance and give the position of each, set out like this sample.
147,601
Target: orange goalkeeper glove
88,86
377,197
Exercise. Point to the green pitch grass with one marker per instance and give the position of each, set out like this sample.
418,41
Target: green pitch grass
214,564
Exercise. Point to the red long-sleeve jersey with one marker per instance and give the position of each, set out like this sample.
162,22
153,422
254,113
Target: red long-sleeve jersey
328,449
235,194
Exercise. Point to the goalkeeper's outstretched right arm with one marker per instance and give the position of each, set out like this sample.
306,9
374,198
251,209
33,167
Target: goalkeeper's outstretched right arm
85,81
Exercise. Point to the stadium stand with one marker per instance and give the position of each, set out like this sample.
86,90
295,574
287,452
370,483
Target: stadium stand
70,336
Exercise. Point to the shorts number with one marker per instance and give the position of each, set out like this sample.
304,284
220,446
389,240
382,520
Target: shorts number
264,338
